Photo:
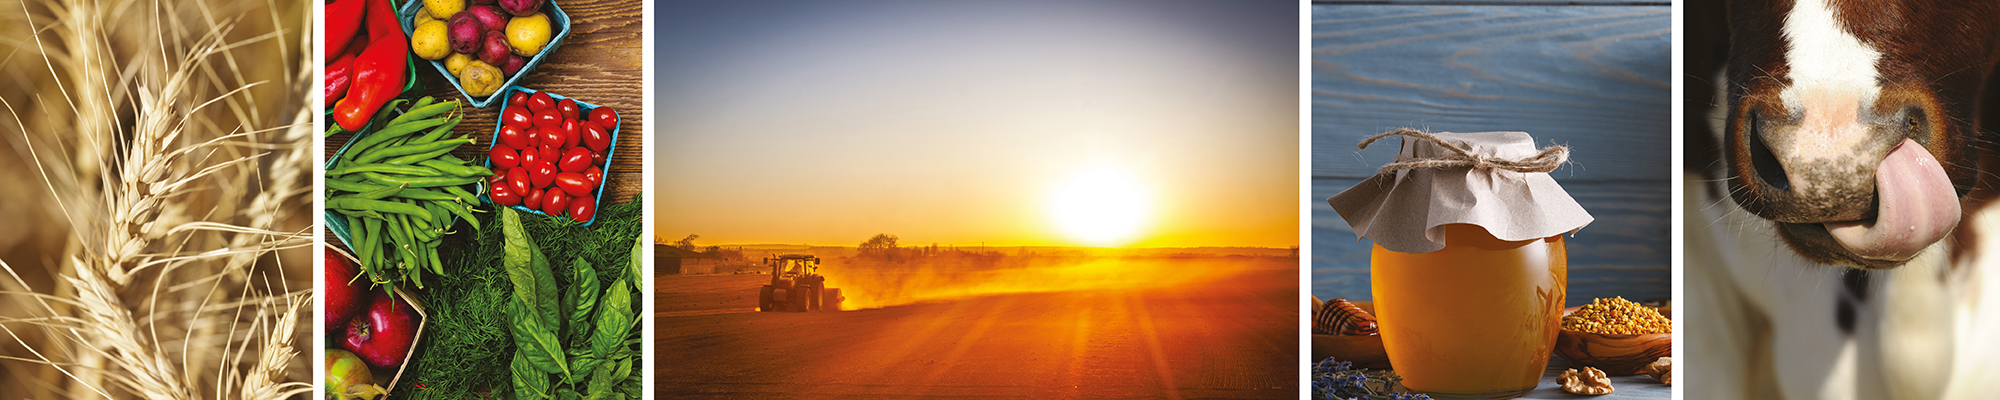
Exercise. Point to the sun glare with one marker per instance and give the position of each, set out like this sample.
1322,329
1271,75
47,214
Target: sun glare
1101,207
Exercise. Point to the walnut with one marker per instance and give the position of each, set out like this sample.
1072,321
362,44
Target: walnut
1589,382
1662,369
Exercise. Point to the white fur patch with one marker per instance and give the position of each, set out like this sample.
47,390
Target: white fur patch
1833,78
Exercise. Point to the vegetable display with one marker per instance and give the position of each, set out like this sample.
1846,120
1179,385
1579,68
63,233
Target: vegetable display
399,190
502,40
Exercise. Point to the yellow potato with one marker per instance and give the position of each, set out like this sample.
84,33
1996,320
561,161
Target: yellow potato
423,14
444,9
456,62
429,41
527,34
481,79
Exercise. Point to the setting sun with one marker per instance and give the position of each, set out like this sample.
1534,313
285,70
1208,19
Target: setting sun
1101,207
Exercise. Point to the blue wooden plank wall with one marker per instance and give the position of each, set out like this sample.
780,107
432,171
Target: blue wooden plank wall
1594,77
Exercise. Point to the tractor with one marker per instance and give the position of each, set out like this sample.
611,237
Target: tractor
797,286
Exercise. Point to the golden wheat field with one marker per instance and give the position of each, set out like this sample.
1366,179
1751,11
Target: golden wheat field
155,158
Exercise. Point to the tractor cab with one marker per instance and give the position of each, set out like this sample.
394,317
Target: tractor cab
797,286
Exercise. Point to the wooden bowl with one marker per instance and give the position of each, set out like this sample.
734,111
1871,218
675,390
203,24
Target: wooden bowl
1617,355
1364,351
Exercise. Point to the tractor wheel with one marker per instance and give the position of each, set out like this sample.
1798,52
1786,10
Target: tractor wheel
812,298
764,299
830,299
797,299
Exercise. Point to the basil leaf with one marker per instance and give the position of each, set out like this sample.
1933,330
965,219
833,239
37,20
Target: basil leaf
529,382
517,257
638,260
545,285
601,382
613,319
568,394
586,362
535,341
585,287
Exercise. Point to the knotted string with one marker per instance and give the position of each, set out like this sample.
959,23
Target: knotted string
1550,157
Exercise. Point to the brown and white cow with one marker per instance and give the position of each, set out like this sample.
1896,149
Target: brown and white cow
1837,196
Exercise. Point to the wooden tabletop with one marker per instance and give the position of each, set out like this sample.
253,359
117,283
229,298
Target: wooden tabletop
601,62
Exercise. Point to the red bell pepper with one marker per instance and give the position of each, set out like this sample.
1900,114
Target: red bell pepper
339,74
343,20
378,76
382,21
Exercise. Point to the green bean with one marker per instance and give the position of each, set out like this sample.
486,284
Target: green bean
463,196
413,158
435,134
357,213
456,169
422,111
413,148
436,265
350,203
372,227
461,211
385,135
418,182
378,194
423,101
387,169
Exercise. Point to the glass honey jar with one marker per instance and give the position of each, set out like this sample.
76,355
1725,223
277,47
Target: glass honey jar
1469,269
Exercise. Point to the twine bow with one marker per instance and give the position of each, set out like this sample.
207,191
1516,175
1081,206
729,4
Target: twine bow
1550,157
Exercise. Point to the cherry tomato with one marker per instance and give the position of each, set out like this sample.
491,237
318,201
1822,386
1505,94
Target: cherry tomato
548,119
596,158
554,202
517,117
533,200
605,117
518,178
595,175
571,133
542,173
595,137
568,108
577,159
574,183
540,101
529,156
553,138
514,136
583,209
503,196
550,154
504,157
517,99
499,178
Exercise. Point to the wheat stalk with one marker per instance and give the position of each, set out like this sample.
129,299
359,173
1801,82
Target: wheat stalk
176,156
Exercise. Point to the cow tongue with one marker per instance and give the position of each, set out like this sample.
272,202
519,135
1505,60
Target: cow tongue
1917,207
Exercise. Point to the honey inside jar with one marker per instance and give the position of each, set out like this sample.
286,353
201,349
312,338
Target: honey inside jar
1475,320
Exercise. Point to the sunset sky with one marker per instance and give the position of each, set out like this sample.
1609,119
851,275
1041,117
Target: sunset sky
1022,123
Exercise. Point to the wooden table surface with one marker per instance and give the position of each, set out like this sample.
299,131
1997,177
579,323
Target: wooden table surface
601,62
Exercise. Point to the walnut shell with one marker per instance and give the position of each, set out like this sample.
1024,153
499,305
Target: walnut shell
1590,381
1662,369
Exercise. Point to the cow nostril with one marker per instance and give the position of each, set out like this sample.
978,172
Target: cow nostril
1764,162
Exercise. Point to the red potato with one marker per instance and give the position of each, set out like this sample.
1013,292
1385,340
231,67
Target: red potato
605,117
594,137
517,117
568,108
465,33
583,209
504,156
503,195
490,17
555,203
493,48
533,200
540,101
574,184
514,64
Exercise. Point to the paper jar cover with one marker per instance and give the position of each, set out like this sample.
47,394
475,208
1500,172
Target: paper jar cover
1406,210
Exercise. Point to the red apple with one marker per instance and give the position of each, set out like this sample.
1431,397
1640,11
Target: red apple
345,294
384,334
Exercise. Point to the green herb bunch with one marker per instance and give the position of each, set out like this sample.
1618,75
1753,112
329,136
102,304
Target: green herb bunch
574,342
